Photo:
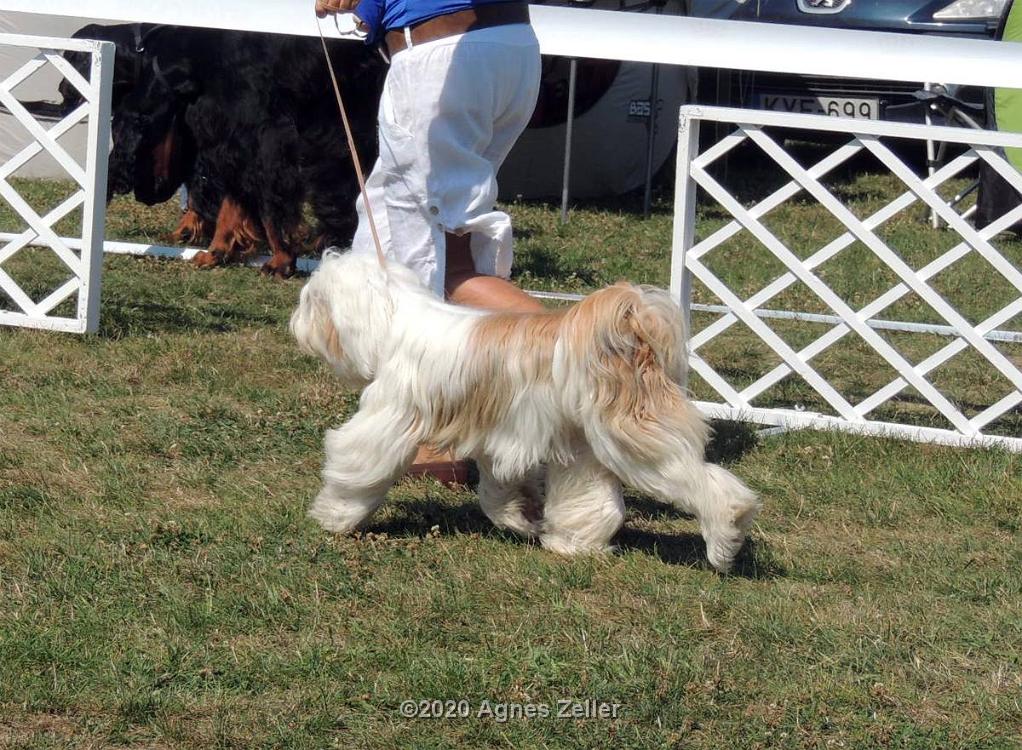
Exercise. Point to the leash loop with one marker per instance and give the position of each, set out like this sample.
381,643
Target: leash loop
380,256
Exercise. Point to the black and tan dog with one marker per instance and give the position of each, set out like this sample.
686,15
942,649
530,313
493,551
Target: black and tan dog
248,123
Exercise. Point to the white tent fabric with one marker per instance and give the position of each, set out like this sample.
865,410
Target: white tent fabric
40,86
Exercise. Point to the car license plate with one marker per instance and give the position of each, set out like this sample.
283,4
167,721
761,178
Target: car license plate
835,106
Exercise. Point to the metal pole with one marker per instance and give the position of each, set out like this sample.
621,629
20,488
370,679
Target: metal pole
570,122
931,156
654,88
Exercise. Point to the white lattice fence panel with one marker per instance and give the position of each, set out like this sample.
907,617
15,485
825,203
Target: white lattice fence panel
58,287
816,339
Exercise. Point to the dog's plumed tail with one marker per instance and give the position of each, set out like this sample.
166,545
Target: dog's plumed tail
628,345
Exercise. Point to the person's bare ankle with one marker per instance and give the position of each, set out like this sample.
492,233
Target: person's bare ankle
441,466
429,455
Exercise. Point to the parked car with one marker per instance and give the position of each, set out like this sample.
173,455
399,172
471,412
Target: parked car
890,100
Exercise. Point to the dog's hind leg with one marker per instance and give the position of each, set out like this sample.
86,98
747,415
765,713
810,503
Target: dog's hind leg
515,506
673,470
364,458
584,506
622,368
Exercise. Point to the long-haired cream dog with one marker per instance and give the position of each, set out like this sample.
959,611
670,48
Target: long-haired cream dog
591,394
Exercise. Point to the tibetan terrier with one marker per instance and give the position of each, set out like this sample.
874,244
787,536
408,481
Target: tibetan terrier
564,405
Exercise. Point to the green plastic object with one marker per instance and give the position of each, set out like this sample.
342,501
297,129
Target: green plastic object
1008,102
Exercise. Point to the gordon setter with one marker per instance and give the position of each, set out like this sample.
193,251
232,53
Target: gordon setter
248,123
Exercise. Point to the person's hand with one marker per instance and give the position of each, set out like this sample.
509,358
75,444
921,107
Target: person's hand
323,7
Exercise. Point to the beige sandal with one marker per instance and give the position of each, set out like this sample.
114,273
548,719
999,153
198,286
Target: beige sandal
449,473
440,466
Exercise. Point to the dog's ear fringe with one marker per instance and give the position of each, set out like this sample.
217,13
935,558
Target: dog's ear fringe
313,329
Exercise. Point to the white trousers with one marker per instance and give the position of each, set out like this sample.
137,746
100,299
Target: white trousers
450,112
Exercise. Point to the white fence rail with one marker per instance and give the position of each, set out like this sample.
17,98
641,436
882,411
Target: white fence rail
640,37
849,406
80,272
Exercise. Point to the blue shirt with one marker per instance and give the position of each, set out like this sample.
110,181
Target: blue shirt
381,16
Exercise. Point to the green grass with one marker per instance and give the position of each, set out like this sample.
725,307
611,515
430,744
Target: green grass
160,586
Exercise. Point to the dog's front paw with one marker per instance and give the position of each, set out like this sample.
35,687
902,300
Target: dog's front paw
512,517
568,544
207,259
722,548
518,524
334,516
281,269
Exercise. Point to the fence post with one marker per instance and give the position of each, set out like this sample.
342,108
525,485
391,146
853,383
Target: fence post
684,230
94,212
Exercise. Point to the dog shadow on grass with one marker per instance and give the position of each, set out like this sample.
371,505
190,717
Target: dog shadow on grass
687,548
754,560
730,441
420,517
432,514
435,514
450,514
